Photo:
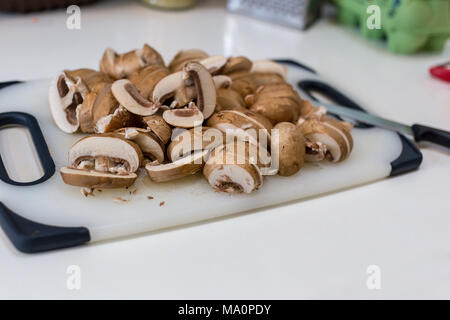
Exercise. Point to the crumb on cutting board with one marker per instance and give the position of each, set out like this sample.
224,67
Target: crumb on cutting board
121,200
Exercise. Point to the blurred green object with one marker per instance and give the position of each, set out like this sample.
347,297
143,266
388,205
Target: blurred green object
408,25
170,4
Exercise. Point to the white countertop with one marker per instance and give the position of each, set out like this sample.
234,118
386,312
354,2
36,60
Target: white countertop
319,248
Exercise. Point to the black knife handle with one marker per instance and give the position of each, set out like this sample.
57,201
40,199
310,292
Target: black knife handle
424,133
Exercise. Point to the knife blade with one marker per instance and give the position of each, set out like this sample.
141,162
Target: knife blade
417,131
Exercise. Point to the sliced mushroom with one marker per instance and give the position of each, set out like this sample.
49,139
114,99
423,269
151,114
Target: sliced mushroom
225,173
158,126
213,63
95,106
236,64
185,117
244,124
268,66
276,102
290,148
167,86
184,56
119,119
196,139
102,160
146,79
94,179
183,167
121,65
204,85
66,94
222,82
151,146
130,98
327,135
94,80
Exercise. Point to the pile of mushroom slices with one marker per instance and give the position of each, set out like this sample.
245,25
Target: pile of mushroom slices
226,116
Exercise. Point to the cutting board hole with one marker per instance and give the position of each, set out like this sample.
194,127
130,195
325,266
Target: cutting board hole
19,154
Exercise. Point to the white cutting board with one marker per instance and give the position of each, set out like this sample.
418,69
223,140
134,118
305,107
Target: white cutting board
185,201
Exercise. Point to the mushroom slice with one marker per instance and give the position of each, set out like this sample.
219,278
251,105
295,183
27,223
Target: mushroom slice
147,78
109,152
184,56
185,117
222,82
119,119
151,146
66,94
167,86
237,64
158,126
225,173
244,124
129,97
213,63
268,66
96,105
183,167
204,85
195,139
332,137
94,179
121,65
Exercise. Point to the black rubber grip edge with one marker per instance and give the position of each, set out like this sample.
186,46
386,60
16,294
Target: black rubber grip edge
32,237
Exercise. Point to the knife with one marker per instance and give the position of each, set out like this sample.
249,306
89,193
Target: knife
417,131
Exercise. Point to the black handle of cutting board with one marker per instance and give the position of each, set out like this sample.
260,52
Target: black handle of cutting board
438,136
410,156
30,122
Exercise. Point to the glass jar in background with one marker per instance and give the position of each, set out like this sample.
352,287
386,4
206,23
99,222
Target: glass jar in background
170,4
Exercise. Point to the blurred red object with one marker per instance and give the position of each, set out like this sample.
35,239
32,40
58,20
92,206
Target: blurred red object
441,72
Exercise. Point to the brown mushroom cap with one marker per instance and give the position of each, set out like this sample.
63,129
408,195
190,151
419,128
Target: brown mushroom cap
290,148
183,167
277,102
94,179
229,99
108,145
